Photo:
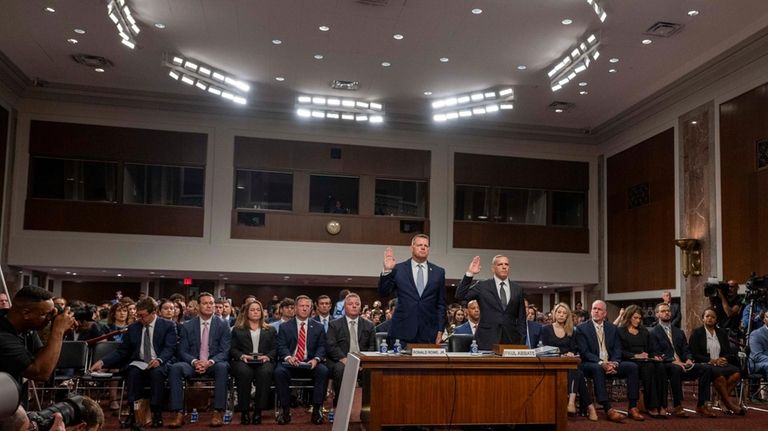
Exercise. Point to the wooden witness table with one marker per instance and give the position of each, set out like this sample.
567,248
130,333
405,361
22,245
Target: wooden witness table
460,389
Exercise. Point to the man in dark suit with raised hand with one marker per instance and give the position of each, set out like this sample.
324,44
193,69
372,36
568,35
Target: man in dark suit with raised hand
600,349
300,353
203,350
340,340
678,362
150,340
420,289
501,304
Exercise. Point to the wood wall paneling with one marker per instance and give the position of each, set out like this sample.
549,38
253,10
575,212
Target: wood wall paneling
502,236
59,215
641,251
96,292
743,122
478,169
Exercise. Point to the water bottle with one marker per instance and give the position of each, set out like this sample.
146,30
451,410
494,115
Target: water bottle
473,350
331,415
193,417
227,417
397,347
383,347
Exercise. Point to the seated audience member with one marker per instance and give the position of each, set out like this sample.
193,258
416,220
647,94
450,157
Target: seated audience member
228,314
456,317
301,352
203,351
287,312
679,364
151,340
473,319
190,311
387,324
167,309
532,329
86,327
638,346
338,309
345,335
117,319
758,346
709,345
560,334
5,302
600,350
253,353
324,311
666,298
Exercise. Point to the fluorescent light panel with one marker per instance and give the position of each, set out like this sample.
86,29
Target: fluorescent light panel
207,78
472,104
598,9
574,62
317,106
120,15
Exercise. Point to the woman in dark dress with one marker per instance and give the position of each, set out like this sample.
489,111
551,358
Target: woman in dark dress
709,345
637,345
252,356
560,334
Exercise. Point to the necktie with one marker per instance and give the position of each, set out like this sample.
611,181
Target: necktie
353,345
147,345
503,295
204,343
325,324
474,328
668,330
420,279
601,342
300,348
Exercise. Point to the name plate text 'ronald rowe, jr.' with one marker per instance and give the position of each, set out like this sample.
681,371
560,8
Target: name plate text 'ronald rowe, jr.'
432,351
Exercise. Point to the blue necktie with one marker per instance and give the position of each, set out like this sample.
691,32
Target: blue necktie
325,324
420,279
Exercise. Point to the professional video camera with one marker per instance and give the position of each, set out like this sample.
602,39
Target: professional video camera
713,286
757,290
71,409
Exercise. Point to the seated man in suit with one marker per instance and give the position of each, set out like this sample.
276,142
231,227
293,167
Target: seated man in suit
300,353
666,298
203,351
679,363
151,340
287,312
758,346
600,349
473,319
340,340
532,331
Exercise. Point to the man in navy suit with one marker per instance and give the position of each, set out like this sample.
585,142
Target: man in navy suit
600,349
473,319
501,303
339,341
678,362
420,289
198,358
150,340
532,334
300,353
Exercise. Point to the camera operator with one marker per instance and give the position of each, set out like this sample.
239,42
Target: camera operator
21,352
727,305
77,413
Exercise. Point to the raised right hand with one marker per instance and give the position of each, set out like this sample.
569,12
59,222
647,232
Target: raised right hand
474,266
389,259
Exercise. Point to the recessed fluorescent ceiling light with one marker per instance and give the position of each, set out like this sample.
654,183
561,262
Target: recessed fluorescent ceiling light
477,11
386,63
693,12
522,67
79,31
583,92
323,28
613,60
335,108
159,25
50,9
99,69
611,70
72,41
318,56
120,15
279,78
575,61
276,41
567,21
397,36
207,78
427,93
599,11
471,104
582,84
647,41
444,59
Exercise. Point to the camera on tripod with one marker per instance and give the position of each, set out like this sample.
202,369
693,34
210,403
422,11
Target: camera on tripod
712,288
757,290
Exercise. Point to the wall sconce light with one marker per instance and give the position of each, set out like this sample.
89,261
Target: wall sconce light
691,249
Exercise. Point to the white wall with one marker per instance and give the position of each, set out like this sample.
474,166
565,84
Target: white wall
217,252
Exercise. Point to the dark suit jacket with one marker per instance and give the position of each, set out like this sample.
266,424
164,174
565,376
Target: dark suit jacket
675,310
589,347
219,339
242,345
163,341
495,320
698,346
338,338
288,339
534,331
417,319
665,347
464,328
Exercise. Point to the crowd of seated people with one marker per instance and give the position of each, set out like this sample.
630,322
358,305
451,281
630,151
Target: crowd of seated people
260,347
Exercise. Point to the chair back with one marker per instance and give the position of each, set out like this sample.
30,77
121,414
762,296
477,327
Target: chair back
380,336
102,349
74,355
460,342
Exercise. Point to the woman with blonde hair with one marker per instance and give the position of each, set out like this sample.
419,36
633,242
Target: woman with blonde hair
561,334
252,355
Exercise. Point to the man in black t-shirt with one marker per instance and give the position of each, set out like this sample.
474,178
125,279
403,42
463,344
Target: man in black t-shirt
728,306
21,352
